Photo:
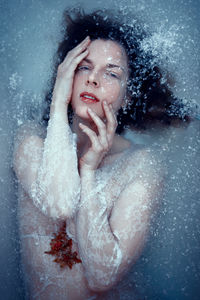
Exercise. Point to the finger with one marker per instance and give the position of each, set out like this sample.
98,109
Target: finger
77,50
92,136
101,128
71,65
74,57
83,44
80,47
85,41
76,61
111,119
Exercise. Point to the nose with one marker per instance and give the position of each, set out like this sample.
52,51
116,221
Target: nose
93,79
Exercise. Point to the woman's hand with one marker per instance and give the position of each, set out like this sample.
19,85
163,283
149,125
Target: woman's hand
65,75
101,142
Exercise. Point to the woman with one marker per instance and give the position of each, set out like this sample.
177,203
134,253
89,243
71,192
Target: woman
80,173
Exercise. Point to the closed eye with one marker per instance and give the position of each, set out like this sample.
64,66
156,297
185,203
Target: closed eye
82,68
113,74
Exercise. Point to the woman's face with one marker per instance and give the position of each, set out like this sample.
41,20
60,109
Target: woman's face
102,75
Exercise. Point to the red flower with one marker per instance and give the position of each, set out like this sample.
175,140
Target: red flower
61,248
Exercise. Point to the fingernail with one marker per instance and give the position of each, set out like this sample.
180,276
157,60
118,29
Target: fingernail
89,109
104,102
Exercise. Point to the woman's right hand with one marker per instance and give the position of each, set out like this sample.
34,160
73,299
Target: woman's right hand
64,81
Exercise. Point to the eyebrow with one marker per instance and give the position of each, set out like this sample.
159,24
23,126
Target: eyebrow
115,66
110,66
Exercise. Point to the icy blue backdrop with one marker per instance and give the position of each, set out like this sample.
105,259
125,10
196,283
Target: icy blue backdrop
29,33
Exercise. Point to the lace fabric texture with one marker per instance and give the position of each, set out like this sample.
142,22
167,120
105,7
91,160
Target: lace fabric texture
107,252
53,179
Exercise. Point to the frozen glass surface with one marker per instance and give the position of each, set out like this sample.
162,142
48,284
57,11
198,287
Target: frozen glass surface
169,267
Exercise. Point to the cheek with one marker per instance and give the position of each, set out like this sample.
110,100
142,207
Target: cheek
111,88
115,93
77,83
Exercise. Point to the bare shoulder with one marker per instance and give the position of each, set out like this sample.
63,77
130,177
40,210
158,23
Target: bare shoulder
28,143
29,133
119,147
136,153
30,128
146,161
143,164
130,156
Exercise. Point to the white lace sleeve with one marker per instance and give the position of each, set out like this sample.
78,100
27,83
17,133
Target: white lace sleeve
47,168
110,242
99,250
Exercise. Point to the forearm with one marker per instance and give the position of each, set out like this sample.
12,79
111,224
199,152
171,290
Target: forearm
99,248
56,189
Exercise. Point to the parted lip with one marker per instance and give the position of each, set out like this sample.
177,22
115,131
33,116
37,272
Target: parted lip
86,94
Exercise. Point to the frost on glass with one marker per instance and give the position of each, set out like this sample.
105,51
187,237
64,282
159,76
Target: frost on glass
175,240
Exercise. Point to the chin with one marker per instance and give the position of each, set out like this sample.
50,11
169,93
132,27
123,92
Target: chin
81,112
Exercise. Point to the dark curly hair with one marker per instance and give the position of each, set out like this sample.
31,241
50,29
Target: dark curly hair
150,96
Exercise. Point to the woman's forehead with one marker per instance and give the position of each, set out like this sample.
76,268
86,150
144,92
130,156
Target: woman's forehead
108,50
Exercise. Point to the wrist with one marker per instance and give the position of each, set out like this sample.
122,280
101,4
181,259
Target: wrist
87,172
59,108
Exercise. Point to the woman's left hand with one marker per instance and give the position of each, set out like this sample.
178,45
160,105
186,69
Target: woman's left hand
102,141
